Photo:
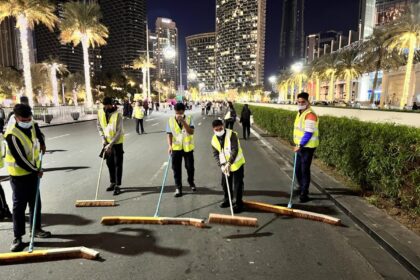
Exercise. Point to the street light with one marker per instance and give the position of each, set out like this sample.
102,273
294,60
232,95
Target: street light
272,79
192,75
169,52
297,67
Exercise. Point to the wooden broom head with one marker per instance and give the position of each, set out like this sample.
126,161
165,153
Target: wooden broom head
95,203
47,255
152,220
184,221
233,220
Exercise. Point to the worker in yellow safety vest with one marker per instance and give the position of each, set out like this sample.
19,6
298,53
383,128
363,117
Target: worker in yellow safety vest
138,115
110,127
229,156
23,164
180,131
306,138
4,208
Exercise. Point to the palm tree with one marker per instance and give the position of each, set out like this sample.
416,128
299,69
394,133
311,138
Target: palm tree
348,68
405,34
54,67
314,74
143,64
28,13
10,81
375,54
328,64
81,24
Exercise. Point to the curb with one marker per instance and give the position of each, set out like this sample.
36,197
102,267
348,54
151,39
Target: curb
59,124
406,260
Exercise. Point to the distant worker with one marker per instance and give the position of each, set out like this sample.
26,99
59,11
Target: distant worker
110,127
229,157
246,121
4,208
180,130
306,138
230,116
23,162
138,115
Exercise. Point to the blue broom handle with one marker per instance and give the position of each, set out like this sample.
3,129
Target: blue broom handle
163,186
34,214
293,180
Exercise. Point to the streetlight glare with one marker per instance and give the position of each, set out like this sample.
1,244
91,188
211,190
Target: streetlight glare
272,79
297,67
192,75
169,52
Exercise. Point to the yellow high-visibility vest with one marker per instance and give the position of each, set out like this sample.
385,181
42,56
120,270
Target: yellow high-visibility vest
299,130
110,128
138,113
1,151
31,148
224,155
181,140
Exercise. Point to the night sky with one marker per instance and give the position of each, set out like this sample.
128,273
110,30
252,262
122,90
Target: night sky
198,16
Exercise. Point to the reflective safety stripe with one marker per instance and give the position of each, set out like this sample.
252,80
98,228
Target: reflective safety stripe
181,140
299,130
225,154
110,128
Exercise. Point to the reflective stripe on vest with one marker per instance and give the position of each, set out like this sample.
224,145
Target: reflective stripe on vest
138,113
181,140
31,149
224,155
110,128
299,130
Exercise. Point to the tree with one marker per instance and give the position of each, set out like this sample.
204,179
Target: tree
328,64
74,82
10,81
28,13
405,35
81,24
143,64
348,68
53,67
376,56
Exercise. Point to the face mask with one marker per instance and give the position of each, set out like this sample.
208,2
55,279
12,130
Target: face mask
219,133
302,107
25,125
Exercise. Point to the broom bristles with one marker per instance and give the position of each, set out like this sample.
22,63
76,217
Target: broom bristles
95,203
233,220
112,220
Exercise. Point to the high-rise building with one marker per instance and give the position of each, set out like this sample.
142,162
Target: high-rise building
48,45
292,35
126,22
10,47
240,43
166,34
201,59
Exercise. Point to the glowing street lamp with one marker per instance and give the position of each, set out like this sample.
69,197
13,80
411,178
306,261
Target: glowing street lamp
192,75
169,52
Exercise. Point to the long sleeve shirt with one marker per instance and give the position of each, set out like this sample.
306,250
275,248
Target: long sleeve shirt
17,150
234,148
119,128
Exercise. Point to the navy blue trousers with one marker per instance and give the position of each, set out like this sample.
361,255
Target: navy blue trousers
303,169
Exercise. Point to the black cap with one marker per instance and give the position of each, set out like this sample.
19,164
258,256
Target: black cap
303,95
217,123
179,107
24,99
22,110
107,101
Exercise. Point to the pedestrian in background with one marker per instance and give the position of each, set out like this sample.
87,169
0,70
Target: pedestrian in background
306,138
246,121
145,107
230,116
110,127
415,107
180,131
138,115
2,118
229,157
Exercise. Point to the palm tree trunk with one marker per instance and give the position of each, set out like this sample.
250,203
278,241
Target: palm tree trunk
331,89
317,85
375,83
144,86
348,89
85,46
54,85
408,70
23,32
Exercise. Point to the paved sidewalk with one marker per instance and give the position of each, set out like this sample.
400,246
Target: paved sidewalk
400,242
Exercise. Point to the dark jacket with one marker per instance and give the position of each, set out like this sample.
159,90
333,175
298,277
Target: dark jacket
246,116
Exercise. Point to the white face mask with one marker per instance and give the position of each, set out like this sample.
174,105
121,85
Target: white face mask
25,125
219,133
302,107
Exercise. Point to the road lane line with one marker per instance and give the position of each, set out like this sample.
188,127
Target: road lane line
154,124
199,124
149,120
154,177
57,137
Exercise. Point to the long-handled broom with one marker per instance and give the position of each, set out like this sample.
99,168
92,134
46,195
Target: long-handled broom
44,255
232,219
97,202
290,204
155,219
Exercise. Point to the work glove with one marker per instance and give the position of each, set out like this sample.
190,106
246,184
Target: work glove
226,169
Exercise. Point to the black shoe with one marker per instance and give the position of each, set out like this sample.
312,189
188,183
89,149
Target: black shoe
304,198
111,187
17,245
237,209
117,190
178,192
224,204
296,192
8,215
39,233
193,187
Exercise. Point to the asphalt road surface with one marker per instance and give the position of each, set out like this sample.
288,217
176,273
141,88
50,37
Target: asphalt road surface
281,248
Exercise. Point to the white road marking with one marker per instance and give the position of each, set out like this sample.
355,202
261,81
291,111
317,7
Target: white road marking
57,137
149,120
127,134
154,177
199,124
154,124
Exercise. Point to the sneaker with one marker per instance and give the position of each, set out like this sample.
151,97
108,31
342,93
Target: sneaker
17,245
304,198
39,233
111,187
178,192
296,192
237,209
117,190
193,187
224,204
